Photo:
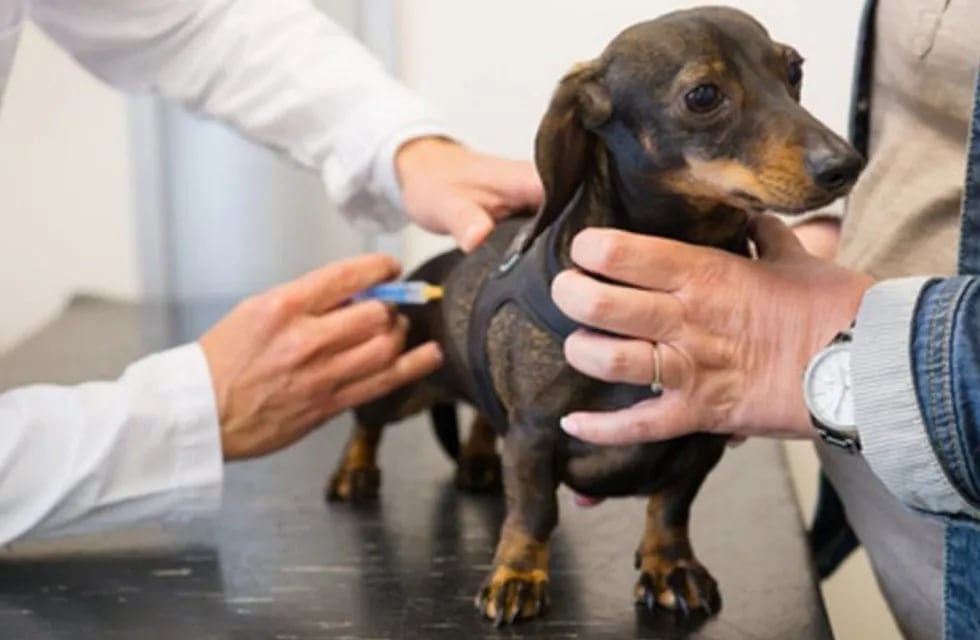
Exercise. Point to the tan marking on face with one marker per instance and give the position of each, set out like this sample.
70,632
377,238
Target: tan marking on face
783,175
696,73
713,180
780,180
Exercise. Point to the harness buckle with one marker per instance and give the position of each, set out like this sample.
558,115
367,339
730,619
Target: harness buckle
515,252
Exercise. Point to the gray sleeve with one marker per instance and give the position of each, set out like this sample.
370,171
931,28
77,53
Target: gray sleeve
889,419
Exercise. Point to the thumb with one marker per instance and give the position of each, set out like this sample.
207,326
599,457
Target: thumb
521,186
772,238
469,224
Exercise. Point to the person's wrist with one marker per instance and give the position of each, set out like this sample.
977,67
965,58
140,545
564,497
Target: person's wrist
828,313
414,154
839,320
841,314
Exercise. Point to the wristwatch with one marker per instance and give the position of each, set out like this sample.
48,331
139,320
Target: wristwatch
828,394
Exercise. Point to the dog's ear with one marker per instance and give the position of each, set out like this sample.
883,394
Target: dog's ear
564,145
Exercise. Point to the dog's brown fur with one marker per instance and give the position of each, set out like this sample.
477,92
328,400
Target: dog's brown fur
623,128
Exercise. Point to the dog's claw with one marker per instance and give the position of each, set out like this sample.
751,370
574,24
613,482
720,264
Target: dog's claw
498,620
541,598
686,588
705,605
354,485
677,583
510,598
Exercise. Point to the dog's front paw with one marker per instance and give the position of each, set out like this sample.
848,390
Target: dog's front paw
509,595
683,586
479,473
354,485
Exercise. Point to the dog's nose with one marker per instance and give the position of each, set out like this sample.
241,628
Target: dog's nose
834,167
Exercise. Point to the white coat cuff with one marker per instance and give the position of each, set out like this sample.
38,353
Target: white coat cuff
361,175
182,381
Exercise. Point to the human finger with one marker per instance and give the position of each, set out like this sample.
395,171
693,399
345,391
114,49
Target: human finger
517,183
615,359
468,223
663,418
618,309
639,260
772,238
410,366
327,287
342,328
364,359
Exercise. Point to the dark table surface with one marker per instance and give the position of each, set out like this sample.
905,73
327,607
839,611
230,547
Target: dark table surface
278,563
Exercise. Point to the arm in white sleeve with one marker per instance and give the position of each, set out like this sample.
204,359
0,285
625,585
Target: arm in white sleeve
145,448
277,70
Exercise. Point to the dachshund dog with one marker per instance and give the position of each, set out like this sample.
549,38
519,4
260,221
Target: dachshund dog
682,128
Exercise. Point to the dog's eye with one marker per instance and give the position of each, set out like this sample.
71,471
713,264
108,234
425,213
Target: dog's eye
794,74
703,98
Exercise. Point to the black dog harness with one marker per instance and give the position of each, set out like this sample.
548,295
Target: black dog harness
523,278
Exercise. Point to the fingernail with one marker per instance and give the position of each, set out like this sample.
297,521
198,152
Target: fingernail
475,234
437,352
570,426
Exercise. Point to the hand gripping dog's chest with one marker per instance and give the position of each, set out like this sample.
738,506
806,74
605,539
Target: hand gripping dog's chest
522,278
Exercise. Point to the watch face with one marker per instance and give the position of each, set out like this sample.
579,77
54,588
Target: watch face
828,388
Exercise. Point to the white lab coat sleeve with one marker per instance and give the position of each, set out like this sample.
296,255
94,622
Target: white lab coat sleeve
145,448
277,70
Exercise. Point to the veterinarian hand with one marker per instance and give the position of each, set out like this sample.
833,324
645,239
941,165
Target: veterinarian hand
284,361
446,188
735,335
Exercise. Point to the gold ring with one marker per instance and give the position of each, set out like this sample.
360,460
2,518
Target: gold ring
656,387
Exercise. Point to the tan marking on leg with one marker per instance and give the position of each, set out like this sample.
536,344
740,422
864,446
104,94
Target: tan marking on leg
670,575
357,476
518,586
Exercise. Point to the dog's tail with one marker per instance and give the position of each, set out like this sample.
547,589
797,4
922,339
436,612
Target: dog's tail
446,426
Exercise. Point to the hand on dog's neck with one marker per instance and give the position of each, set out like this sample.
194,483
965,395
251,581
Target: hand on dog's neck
640,205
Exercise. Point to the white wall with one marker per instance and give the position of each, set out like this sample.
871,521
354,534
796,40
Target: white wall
64,215
491,68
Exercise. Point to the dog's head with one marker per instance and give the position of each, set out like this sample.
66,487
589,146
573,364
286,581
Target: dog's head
701,104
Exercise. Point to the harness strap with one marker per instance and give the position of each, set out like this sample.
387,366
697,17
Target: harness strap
524,279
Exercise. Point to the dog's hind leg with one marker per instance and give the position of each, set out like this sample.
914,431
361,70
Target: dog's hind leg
518,585
357,478
478,468
670,574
